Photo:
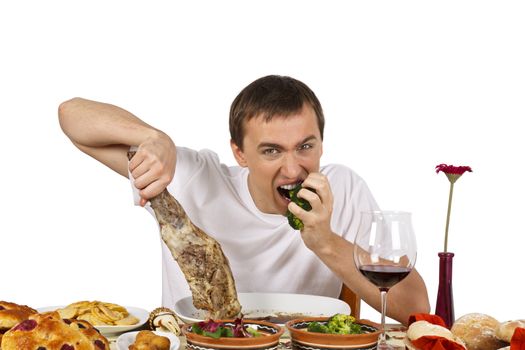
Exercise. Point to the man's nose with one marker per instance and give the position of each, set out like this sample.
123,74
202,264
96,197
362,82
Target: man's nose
290,167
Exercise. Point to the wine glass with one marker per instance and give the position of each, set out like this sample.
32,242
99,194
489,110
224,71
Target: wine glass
385,253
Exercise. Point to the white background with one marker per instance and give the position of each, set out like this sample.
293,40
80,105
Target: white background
405,85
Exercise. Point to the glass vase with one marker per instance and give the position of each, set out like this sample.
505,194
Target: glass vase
445,299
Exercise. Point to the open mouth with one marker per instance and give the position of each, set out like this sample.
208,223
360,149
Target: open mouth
285,190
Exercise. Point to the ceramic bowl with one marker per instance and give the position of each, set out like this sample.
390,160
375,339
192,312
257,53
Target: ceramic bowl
269,340
304,340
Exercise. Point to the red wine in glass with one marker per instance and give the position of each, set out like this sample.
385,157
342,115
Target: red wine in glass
384,276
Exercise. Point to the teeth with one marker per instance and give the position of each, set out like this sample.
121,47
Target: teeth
290,186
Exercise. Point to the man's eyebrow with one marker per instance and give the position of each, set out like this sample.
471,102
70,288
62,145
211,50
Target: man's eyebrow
269,145
309,138
277,146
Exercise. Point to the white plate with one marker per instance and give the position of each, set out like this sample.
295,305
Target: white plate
266,304
141,314
126,339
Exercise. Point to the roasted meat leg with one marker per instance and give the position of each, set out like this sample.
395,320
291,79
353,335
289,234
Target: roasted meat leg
199,256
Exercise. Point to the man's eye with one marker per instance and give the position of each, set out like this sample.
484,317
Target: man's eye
270,151
305,147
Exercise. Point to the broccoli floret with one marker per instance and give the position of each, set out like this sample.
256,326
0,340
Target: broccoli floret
341,318
293,220
337,324
355,329
343,324
317,327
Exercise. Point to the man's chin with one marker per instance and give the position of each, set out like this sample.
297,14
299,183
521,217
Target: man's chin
284,211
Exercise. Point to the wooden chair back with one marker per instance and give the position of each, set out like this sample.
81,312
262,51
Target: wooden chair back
349,297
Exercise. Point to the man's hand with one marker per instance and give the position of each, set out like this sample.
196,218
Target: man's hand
316,221
153,166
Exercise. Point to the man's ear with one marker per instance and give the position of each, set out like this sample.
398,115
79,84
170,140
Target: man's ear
238,154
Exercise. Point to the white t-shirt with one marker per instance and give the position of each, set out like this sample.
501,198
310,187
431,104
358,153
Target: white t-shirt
265,253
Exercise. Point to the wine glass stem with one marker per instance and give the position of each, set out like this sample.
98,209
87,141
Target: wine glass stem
382,340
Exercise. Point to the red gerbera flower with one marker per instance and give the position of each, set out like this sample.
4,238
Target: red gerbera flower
453,173
453,170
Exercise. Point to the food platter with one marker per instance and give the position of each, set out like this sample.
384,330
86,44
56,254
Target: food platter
107,330
260,305
126,339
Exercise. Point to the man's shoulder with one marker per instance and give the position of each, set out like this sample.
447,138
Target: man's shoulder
191,154
191,162
336,171
192,158
348,187
343,179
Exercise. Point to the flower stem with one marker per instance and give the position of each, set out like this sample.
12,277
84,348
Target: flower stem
448,213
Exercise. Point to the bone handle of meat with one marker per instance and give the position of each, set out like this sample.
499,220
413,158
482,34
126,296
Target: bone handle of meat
200,258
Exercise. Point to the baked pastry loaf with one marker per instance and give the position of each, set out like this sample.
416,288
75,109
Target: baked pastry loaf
47,331
147,340
478,331
12,314
506,329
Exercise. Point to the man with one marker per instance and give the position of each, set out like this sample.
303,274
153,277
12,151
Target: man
276,126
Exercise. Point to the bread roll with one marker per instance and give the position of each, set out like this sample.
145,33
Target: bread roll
147,340
422,328
506,329
478,332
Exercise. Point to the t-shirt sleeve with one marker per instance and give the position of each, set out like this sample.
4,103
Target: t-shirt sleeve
351,197
192,165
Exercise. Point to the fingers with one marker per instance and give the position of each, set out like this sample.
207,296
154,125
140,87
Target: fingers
152,190
311,197
323,193
137,159
321,201
140,169
153,166
142,162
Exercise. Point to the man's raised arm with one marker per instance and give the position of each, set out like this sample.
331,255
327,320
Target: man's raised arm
105,132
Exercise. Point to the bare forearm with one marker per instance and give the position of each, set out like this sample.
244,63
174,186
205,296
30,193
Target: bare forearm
95,124
409,296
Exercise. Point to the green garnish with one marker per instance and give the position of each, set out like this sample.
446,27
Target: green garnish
293,220
317,327
218,333
217,330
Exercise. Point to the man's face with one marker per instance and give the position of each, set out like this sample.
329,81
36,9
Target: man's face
281,152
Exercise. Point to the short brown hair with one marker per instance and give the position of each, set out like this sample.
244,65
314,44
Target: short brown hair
270,96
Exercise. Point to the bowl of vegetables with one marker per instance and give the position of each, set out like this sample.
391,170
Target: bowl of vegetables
232,334
339,331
